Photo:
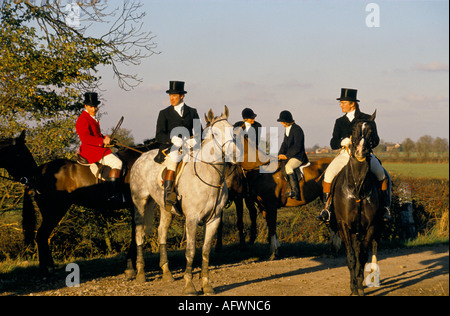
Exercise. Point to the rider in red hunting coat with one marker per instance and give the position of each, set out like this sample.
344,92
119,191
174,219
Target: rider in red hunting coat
93,143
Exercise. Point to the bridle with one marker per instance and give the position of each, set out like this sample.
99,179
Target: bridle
220,171
223,163
23,180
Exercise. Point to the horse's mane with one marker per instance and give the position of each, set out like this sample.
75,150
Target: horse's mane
149,144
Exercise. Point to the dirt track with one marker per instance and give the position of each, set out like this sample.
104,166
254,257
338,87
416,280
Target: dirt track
418,271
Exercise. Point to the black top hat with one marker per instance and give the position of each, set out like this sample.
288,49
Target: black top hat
248,114
286,117
176,87
348,95
91,98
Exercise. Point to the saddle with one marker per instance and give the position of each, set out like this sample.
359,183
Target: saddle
100,171
298,171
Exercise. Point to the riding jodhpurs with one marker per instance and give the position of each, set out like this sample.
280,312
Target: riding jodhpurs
342,159
291,165
111,161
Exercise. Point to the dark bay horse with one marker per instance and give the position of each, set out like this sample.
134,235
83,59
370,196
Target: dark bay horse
237,194
356,201
57,185
268,187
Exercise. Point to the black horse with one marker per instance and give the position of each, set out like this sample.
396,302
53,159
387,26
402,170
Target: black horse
59,184
356,201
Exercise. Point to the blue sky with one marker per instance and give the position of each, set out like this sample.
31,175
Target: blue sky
294,55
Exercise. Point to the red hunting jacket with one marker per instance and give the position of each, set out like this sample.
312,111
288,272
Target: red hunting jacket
91,138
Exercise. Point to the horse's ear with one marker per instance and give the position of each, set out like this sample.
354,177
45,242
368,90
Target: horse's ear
226,112
22,136
210,116
374,115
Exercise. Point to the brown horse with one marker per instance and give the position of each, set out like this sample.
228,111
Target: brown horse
237,194
59,184
268,188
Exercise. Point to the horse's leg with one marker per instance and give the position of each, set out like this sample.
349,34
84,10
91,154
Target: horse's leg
361,254
50,219
271,219
350,255
219,234
239,203
166,219
253,212
375,270
352,262
139,237
132,250
191,231
374,275
210,230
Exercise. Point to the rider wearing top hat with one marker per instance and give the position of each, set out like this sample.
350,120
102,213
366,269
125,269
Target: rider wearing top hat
292,151
340,140
174,127
93,143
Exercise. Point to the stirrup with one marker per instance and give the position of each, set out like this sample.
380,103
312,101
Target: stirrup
387,214
324,218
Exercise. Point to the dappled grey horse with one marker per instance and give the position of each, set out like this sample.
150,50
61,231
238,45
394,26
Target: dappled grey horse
202,194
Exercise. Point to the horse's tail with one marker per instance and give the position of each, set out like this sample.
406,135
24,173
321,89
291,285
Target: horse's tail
28,217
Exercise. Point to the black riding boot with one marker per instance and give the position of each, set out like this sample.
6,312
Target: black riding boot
325,214
116,192
386,198
170,197
295,189
386,201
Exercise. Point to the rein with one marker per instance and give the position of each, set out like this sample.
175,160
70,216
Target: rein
214,164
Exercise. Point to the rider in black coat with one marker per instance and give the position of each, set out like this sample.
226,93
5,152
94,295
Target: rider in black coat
292,151
175,116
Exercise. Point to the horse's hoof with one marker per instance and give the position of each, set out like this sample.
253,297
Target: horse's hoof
189,289
167,277
140,278
130,273
208,289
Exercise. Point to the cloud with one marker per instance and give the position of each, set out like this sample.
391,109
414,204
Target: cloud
433,66
425,100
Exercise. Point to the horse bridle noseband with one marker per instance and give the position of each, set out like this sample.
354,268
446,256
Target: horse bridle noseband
214,164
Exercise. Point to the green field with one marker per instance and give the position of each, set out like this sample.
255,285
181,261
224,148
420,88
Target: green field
418,170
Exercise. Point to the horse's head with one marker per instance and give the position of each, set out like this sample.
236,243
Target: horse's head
16,158
363,135
219,134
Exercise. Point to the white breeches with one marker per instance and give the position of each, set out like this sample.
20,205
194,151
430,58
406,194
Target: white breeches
291,165
112,161
342,159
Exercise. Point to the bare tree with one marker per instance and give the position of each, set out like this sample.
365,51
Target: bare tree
124,42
